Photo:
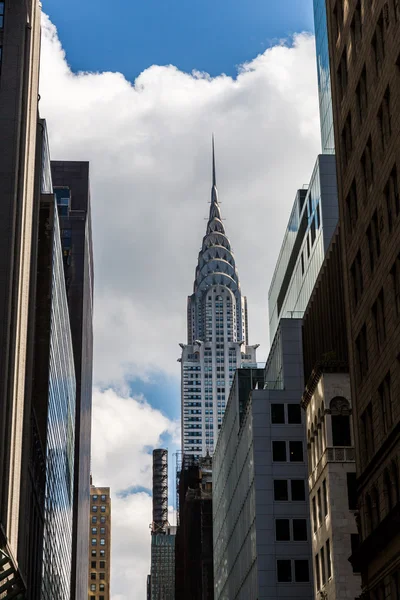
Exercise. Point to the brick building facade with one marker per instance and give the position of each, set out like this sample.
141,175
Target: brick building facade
364,44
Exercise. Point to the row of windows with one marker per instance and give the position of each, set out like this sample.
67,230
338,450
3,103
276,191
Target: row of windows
93,576
285,413
289,490
95,508
319,508
102,530
102,564
282,450
95,497
102,553
292,570
102,542
287,530
391,494
95,519
93,587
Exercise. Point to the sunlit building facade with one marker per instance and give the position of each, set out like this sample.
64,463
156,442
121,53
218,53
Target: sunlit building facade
217,324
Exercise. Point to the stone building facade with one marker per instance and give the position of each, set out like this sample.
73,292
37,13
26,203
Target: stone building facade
364,48
331,483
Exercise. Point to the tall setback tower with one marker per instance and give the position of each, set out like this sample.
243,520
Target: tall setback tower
217,342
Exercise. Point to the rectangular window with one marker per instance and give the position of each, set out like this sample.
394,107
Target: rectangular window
347,139
94,519
298,490
367,433
92,587
102,509
277,414
94,552
395,273
368,165
325,497
328,558
299,530
352,208
301,571
352,491
103,497
92,576
323,574
341,435
314,513
319,506
281,490
102,575
282,530
102,542
378,313
102,564
362,352
294,414
355,542
296,451
313,231
279,451
317,572
94,542
284,571
93,564
357,278
385,120
1,15
386,403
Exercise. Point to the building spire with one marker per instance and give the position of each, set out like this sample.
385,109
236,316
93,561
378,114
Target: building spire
213,161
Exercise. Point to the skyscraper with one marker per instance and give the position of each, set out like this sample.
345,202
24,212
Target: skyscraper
99,544
217,325
19,75
71,186
324,77
364,48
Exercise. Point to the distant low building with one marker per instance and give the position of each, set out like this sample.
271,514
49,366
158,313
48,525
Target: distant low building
99,544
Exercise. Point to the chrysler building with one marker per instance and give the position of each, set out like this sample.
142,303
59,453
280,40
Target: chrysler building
217,336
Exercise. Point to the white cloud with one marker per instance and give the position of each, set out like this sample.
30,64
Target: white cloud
149,147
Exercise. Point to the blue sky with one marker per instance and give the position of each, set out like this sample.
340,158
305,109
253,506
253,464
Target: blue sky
207,35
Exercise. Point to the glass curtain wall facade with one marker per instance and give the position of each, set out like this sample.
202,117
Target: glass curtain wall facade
324,77
310,229
57,547
76,240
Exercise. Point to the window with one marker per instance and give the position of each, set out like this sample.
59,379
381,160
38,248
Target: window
102,542
341,435
93,564
294,414
102,530
385,120
323,573
386,403
367,431
302,263
317,572
95,497
277,413
102,553
395,273
352,208
103,497
328,558
342,75
298,490
319,506
352,491
284,571
102,509
362,352
94,530
92,575
367,165
392,198
347,139
94,519
279,451
282,530
281,490
314,513
357,278
94,542
102,575
102,564
94,553
299,530
313,231
301,571
94,508
102,587
378,45
374,243
325,497
1,15
92,587
296,451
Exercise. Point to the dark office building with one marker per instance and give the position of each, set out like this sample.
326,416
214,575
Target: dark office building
71,186
364,48
19,74
193,546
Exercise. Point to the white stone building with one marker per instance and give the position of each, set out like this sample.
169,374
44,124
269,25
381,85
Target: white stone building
332,483
217,337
